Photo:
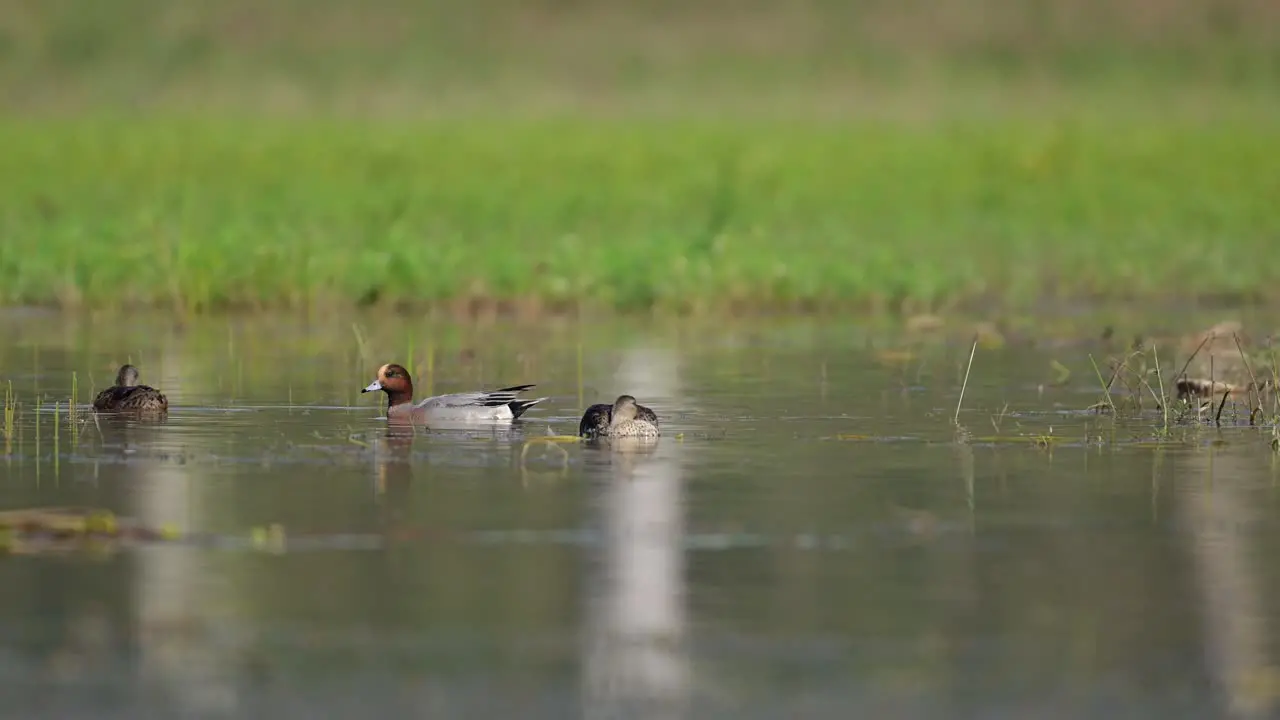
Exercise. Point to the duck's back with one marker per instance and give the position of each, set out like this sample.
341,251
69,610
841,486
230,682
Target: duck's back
595,421
634,429
133,397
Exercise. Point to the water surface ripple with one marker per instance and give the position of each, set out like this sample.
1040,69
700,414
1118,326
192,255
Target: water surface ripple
812,537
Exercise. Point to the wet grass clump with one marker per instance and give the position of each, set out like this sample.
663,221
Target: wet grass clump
631,214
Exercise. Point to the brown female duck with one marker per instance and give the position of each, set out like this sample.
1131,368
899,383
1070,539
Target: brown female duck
127,394
624,418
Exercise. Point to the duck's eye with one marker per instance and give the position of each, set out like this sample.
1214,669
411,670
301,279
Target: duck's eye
391,373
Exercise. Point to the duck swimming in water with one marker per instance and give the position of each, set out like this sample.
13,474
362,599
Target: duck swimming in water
127,394
476,406
624,418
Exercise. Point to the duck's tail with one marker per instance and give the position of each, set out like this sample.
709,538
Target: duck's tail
507,396
519,407
595,420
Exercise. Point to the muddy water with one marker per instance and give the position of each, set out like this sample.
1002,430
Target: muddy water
812,537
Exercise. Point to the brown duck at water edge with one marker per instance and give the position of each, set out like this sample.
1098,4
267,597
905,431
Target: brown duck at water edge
127,394
624,418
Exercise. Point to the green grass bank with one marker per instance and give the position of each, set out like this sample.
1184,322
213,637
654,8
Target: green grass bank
614,155
200,215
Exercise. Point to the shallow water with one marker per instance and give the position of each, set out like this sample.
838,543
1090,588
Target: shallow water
808,539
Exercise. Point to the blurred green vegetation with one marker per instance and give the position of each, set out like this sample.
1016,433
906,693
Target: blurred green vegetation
520,57
396,57
797,154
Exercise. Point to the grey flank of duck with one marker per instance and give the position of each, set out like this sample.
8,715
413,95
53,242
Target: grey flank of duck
477,406
624,418
127,394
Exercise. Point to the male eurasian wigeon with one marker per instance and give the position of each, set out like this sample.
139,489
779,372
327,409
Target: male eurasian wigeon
477,406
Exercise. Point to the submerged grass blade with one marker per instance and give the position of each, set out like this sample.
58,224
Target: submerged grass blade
1164,397
1254,390
1183,372
10,411
963,386
1106,386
